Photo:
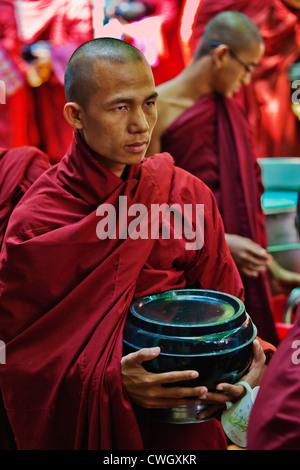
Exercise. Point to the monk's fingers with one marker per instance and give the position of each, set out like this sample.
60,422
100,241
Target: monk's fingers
165,397
183,392
254,264
258,352
166,403
248,272
176,376
140,356
215,398
255,251
255,257
252,271
210,410
225,392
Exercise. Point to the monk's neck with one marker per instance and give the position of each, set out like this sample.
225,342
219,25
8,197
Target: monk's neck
195,80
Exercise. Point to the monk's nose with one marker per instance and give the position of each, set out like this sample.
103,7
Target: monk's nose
139,122
247,78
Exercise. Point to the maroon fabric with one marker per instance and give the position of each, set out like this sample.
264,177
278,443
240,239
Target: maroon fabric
212,141
61,385
267,100
275,418
19,168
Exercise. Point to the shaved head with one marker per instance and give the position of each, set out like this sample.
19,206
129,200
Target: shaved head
80,81
232,28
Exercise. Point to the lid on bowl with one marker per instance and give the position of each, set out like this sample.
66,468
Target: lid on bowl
190,311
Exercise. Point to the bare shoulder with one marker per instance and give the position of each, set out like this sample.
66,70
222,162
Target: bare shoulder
170,105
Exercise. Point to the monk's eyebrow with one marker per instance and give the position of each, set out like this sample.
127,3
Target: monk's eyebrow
120,99
153,96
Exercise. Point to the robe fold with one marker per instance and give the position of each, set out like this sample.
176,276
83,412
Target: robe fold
65,293
267,99
274,422
19,168
212,141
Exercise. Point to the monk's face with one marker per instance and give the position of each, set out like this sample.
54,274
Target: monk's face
121,115
235,70
292,3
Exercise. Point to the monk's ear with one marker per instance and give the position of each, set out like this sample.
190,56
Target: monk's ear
220,55
73,114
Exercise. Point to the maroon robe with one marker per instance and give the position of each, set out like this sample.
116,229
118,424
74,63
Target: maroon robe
61,384
212,141
275,417
19,168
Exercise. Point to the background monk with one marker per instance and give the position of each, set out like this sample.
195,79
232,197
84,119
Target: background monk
49,31
65,384
17,123
274,420
267,99
153,27
207,133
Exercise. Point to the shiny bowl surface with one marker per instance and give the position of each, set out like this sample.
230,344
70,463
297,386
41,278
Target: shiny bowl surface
196,329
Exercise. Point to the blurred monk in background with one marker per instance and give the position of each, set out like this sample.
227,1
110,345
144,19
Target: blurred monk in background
17,123
207,133
267,99
48,32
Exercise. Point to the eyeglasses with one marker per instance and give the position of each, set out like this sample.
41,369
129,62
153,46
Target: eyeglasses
248,68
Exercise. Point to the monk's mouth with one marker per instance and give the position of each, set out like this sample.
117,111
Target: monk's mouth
137,147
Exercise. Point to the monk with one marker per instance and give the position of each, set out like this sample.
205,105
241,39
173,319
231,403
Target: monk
153,27
206,131
267,99
19,169
49,32
274,419
65,384
17,122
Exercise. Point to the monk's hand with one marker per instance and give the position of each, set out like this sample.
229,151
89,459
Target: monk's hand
249,257
147,389
234,392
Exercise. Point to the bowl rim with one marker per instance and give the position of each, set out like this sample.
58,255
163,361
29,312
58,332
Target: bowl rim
235,320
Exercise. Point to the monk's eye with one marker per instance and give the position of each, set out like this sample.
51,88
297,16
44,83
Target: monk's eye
148,104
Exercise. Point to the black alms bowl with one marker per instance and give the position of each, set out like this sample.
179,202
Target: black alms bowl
201,330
